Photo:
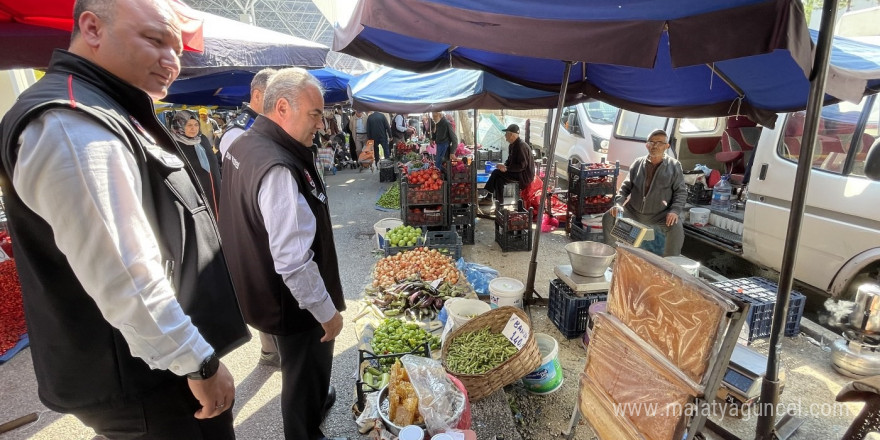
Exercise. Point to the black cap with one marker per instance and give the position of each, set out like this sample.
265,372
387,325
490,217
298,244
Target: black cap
513,128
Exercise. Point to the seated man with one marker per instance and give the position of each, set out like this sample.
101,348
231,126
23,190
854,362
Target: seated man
519,167
657,195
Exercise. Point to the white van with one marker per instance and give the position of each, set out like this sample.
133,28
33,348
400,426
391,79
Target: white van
840,236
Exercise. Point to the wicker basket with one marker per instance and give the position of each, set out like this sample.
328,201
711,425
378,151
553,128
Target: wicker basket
523,362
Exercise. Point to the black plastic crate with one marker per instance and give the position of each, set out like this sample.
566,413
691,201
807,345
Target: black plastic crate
457,173
577,232
466,232
462,192
413,195
582,171
569,312
698,194
434,216
587,206
513,240
447,242
761,294
513,220
462,214
368,359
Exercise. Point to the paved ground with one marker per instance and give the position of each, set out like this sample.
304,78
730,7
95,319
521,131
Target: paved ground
352,195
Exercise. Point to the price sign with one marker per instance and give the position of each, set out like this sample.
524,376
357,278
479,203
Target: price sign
517,331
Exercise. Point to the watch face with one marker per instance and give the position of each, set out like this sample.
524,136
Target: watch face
210,367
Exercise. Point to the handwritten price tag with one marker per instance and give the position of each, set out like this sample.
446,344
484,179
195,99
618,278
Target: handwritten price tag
516,331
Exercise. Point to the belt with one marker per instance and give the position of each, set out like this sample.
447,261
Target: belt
361,133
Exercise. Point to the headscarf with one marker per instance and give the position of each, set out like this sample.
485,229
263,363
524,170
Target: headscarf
178,128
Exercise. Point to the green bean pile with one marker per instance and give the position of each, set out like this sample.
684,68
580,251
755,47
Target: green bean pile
391,198
478,352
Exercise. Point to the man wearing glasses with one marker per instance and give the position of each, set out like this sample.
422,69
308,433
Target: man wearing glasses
653,194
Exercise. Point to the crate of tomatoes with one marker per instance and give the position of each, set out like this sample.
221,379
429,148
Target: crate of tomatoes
597,204
424,187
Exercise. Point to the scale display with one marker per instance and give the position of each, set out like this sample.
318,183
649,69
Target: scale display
631,232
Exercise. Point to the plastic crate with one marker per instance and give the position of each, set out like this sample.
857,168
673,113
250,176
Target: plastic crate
587,207
570,313
577,232
462,214
513,220
520,240
487,154
412,195
465,231
761,294
583,171
698,194
462,192
468,174
394,250
368,359
447,242
435,217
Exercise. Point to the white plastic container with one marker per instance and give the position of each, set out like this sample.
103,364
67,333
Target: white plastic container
699,216
504,291
690,266
411,432
462,310
548,377
382,226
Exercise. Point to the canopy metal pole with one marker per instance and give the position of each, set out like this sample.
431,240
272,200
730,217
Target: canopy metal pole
770,385
475,133
533,263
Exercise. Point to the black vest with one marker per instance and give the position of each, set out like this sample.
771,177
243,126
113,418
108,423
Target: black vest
80,360
265,300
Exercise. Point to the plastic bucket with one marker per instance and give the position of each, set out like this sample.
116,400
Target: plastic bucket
383,226
690,266
548,377
504,291
462,310
699,216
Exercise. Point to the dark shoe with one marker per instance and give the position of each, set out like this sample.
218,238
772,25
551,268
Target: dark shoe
270,359
331,399
486,201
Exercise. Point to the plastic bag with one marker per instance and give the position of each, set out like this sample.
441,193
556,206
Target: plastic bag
478,275
441,402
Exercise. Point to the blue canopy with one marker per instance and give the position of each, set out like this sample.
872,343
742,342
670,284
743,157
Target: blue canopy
397,91
231,88
672,58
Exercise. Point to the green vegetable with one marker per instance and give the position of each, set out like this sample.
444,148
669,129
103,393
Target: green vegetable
393,336
391,198
478,352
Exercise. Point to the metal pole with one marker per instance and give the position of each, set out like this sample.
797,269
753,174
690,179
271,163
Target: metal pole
533,263
770,386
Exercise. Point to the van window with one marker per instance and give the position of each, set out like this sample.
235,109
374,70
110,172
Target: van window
696,125
599,112
632,125
837,142
569,121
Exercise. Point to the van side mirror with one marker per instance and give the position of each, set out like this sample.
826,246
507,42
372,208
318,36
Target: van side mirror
872,162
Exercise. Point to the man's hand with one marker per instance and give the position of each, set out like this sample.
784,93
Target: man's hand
614,210
671,219
332,328
501,167
215,394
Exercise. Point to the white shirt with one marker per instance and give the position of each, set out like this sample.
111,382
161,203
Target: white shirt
84,182
291,227
398,121
227,138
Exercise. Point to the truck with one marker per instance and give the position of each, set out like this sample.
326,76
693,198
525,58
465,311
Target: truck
584,132
839,246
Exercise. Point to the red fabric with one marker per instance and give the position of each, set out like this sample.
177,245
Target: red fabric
714,177
531,198
12,324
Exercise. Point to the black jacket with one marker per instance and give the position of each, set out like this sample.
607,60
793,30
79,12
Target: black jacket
265,300
80,360
378,129
520,162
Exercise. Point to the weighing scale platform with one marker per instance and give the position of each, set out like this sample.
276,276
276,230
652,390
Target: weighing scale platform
581,284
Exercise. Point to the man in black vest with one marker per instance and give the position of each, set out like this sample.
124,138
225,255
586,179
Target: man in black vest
127,297
275,224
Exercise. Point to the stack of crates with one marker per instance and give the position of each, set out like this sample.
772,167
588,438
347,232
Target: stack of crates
568,310
513,228
462,195
422,207
591,189
485,154
760,293
446,242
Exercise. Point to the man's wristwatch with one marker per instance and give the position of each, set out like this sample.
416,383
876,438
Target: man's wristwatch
207,370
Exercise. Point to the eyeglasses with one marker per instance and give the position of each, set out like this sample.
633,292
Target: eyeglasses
656,143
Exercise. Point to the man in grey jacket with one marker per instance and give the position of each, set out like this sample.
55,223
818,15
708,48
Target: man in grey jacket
653,194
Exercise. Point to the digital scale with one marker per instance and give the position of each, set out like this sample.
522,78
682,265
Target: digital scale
631,232
580,284
741,384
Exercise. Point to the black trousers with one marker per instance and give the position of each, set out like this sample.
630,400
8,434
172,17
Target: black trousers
305,379
165,414
497,180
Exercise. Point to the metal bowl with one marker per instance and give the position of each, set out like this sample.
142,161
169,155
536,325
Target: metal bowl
590,258
382,406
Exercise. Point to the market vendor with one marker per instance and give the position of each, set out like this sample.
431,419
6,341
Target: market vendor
653,194
519,167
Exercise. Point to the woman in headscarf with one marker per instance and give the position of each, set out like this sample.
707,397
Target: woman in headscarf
198,152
